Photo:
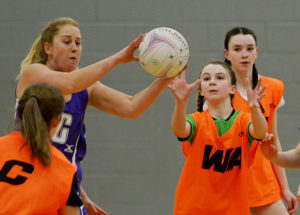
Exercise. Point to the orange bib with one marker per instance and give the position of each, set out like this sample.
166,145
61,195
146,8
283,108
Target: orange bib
28,187
214,177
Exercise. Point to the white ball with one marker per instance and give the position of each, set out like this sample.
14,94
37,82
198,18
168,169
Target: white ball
163,52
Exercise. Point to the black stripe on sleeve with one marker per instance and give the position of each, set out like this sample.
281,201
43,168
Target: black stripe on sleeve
74,198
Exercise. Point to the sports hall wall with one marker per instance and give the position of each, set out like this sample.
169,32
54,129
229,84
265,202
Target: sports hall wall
132,166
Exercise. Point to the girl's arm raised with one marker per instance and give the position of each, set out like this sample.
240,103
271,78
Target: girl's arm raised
181,91
259,126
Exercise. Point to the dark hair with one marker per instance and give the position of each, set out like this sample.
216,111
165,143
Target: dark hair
229,70
244,31
38,106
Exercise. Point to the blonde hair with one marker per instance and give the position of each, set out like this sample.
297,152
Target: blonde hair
38,106
37,53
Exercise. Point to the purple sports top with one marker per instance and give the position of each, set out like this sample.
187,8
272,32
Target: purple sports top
70,135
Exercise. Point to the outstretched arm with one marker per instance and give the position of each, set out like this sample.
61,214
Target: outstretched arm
280,172
120,104
259,126
288,159
181,91
80,79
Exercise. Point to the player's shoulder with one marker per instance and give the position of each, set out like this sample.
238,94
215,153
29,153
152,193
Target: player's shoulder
242,113
4,140
199,115
271,81
35,67
57,153
242,118
11,137
201,119
11,141
59,157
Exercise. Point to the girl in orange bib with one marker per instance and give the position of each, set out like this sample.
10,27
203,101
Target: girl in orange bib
35,177
216,143
267,183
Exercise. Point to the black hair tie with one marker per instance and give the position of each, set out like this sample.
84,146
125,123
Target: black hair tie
37,99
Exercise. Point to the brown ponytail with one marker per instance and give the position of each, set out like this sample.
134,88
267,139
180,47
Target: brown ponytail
38,106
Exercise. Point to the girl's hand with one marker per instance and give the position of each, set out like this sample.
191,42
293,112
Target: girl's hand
254,96
291,201
90,206
268,146
126,55
181,89
93,209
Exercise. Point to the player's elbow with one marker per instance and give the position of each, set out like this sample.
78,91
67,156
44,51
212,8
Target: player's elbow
261,133
132,115
128,113
261,136
133,111
135,116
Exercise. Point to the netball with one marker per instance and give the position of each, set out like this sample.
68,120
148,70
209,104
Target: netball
163,52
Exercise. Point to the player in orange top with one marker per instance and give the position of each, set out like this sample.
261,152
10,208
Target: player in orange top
216,143
35,177
265,180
